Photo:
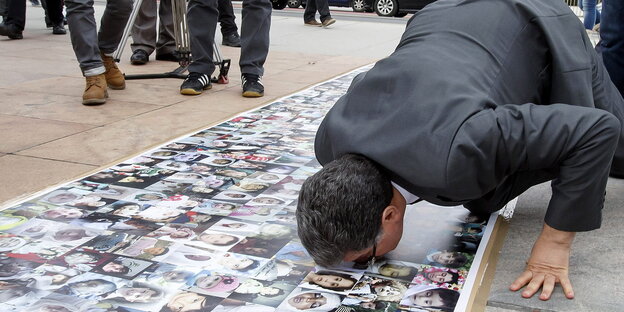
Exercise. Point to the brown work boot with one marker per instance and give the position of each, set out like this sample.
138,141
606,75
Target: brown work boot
95,91
114,77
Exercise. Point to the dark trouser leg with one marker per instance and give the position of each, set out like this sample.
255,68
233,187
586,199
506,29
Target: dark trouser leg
509,189
323,9
202,18
612,40
54,10
144,28
166,40
227,18
310,11
3,9
16,13
112,24
255,29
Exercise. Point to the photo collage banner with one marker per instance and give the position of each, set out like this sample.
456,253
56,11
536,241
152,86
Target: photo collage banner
207,223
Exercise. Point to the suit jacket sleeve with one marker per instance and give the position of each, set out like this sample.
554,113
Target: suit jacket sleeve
577,143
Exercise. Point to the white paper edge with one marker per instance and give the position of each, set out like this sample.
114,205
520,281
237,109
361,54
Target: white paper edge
471,279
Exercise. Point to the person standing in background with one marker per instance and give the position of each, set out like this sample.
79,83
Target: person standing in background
202,18
15,19
322,7
611,45
94,49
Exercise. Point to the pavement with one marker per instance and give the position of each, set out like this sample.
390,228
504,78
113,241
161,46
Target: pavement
47,137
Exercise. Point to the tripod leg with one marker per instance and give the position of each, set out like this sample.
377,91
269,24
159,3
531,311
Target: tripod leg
127,29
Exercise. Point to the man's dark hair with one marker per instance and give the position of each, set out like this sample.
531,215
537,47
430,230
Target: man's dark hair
340,208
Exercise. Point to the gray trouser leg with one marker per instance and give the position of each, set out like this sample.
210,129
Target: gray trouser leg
144,28
113,23
166,40
256,24
87,43
202,16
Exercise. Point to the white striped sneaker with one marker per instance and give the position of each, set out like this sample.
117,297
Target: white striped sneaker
252,85
195,83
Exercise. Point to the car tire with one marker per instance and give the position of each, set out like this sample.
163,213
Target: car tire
293,3
278,4
400,14
386,7
358,5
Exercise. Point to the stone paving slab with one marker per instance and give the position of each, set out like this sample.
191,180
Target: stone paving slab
596,259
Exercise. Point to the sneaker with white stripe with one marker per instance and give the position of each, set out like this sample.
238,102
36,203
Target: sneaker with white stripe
252,85
195,83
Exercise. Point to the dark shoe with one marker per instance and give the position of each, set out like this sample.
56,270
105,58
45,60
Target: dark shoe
328,22
139,57
171,57
252,85
312,23
10,31
59,29
195,84
231,40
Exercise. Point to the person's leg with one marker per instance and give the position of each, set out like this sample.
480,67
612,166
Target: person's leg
54,10
229,31
3,10
589,13
227,20
323,9
310,11
202,16
144,29
16,14
166,41
255,29
611,43
112,25
83,34
256,25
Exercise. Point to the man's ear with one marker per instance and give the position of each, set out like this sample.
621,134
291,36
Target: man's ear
391,215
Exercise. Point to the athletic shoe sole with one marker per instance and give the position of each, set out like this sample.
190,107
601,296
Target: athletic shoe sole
252,94
191,91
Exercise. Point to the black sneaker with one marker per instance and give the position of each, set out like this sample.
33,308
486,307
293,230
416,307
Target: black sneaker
195,83
59,29
232,40
139,57
10,31
252,85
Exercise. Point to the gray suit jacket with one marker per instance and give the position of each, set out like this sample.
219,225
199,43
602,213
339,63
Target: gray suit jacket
460,107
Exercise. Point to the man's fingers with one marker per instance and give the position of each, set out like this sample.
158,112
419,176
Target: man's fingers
522,280
567,287
533,286
547,288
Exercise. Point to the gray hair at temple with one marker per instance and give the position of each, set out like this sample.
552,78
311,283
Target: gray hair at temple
340,208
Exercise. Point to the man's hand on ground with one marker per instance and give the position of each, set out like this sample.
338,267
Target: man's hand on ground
547,265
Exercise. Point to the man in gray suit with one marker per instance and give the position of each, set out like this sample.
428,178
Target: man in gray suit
471,109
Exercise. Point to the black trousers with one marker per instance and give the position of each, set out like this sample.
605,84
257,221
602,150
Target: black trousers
17,12
226,17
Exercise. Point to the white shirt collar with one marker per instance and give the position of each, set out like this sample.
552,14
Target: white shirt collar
409,197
